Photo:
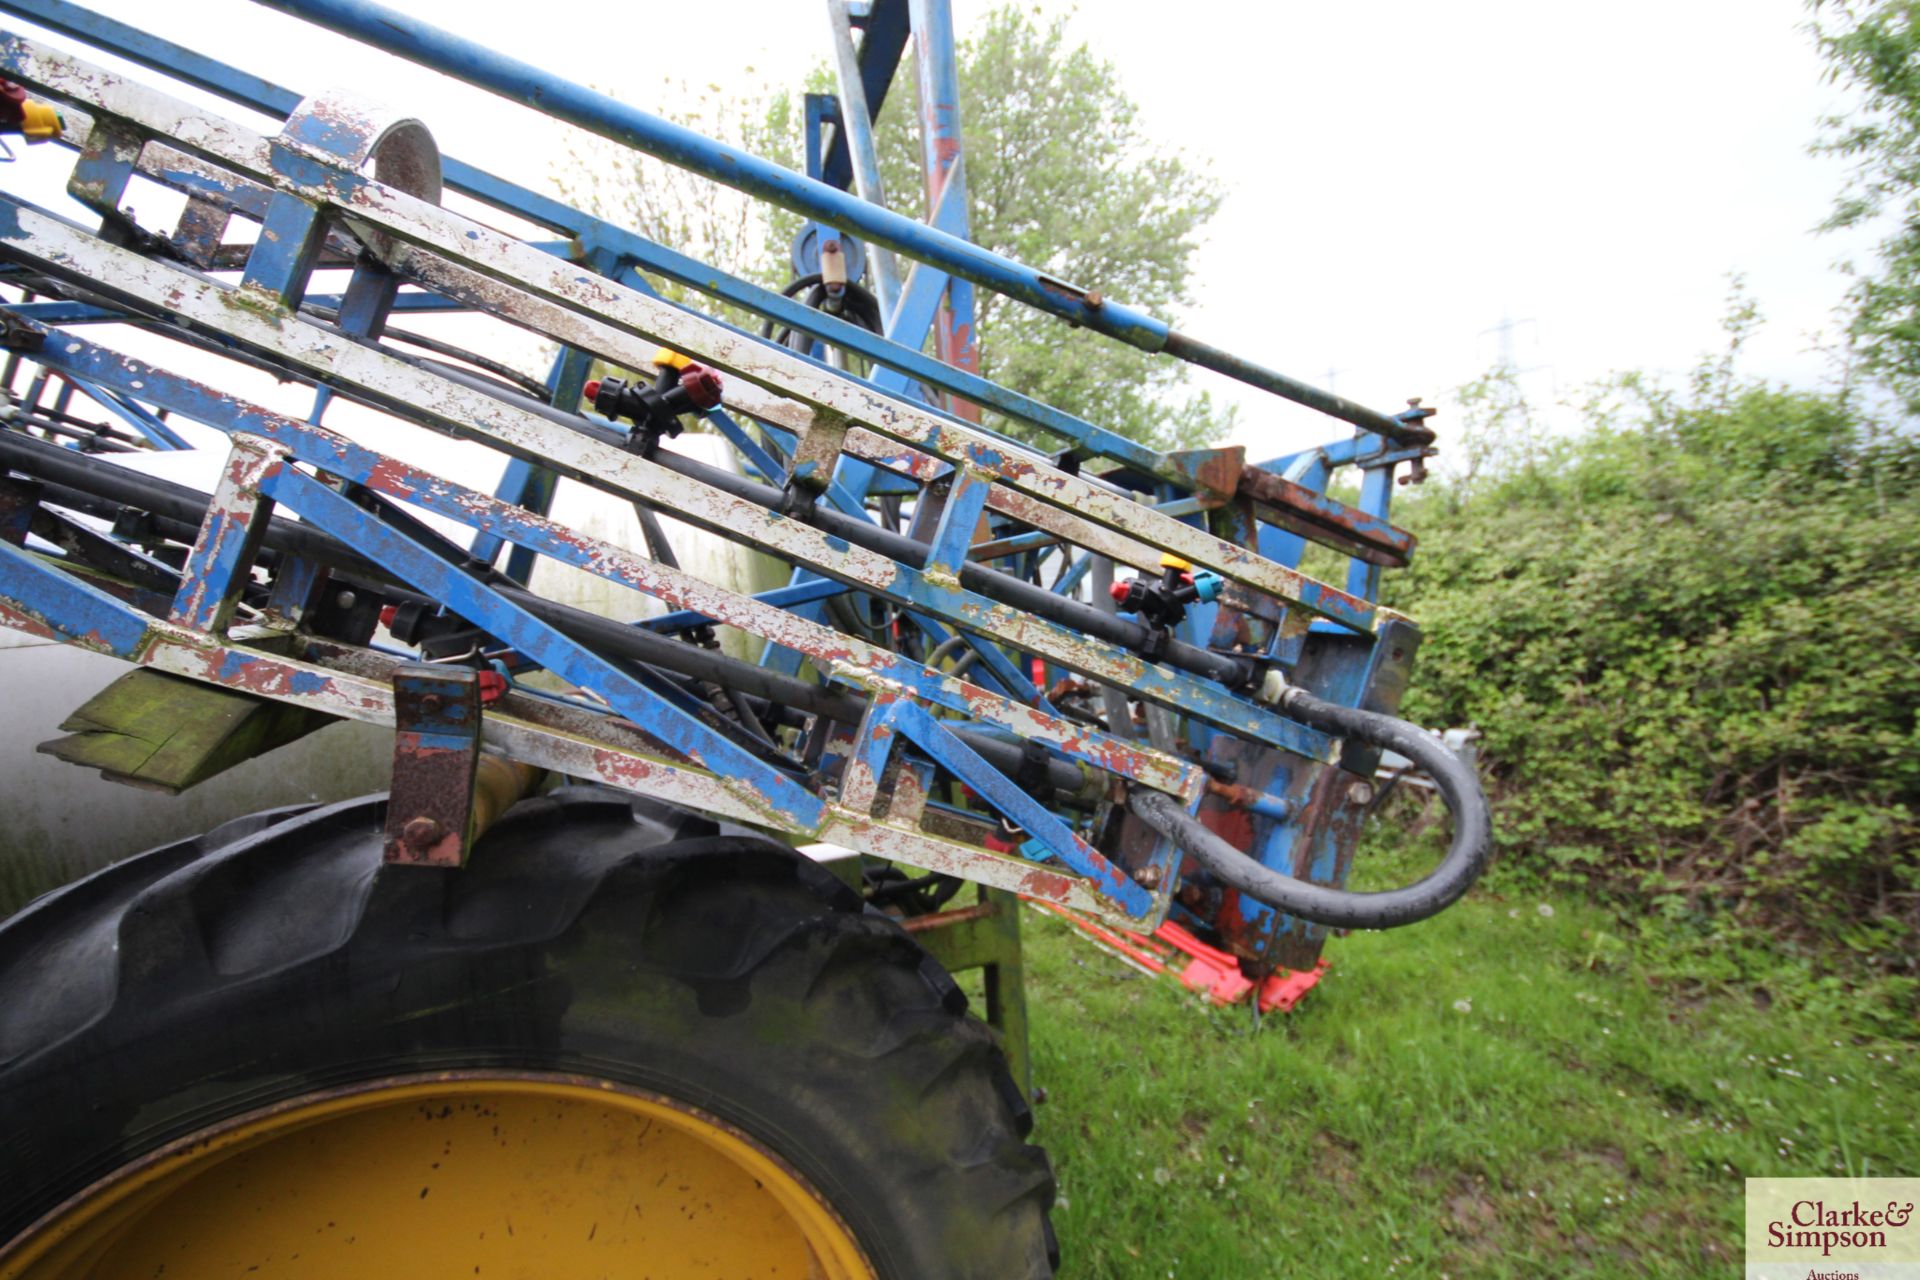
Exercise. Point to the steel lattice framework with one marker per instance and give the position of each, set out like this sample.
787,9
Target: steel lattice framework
882,488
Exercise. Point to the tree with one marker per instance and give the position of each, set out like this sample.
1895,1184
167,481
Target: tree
1061,177
1874,47
682,210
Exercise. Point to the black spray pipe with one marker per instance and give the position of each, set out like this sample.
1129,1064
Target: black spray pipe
103,489
177,503
1017,593
640,645
991,583
1459,787
1003,588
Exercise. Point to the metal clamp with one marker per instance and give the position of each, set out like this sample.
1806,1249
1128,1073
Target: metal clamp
436,752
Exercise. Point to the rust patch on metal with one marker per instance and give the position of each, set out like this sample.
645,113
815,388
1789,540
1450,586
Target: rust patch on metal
436,752
1318,518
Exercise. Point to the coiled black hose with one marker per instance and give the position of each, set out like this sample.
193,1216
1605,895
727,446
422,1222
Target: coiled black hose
856,305
1456,781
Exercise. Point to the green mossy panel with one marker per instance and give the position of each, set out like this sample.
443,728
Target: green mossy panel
165,733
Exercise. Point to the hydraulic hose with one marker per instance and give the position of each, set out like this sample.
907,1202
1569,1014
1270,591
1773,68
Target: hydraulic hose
1004,588
1017,593
1459,787
88,476
99,489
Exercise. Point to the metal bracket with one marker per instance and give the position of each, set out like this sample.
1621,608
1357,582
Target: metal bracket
814,457
19,501
436,753
20,335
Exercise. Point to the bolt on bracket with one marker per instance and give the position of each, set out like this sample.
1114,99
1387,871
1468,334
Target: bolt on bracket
436,752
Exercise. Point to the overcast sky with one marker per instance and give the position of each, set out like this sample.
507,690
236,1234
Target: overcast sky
1401,176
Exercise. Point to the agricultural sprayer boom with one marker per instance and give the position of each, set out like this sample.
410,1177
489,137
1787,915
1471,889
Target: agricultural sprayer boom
1093,673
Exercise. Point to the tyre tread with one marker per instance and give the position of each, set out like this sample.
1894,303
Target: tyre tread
299,900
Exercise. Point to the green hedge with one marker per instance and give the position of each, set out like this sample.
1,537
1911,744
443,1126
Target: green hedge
1690,643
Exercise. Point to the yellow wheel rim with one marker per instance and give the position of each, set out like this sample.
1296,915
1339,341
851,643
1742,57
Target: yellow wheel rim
502,1176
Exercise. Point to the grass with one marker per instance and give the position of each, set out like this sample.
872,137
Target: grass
1505,1091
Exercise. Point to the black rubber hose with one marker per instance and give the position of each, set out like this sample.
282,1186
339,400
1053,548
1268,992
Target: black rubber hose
177,502
104,490
1458,785
522,382
737,677
799,284
991,583
90,441
655,536
944,650
1017,593
860,307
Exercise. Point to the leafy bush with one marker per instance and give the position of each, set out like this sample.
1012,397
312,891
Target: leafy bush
1688,636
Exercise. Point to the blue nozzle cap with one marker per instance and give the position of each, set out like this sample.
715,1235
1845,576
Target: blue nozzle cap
1208,586
1035,851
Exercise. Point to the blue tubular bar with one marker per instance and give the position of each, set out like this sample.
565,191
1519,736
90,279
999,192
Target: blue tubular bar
853,141
52,603
463,59
135,415
150,50
945,173
66,313
517,81
909,364
1070,580
885,39
1022,809
684,619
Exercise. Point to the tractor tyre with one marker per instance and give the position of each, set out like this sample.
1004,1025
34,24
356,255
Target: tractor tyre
622,1041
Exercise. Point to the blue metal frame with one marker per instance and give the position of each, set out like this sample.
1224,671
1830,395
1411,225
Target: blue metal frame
1291,806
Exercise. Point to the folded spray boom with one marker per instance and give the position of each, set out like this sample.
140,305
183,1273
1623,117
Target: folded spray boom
957,675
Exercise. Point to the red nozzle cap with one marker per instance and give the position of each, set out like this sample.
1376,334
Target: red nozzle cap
592,390
387,616
702,386
492,686
1118,591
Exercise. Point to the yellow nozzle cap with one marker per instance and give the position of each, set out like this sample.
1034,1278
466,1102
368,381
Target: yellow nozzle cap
666,359
1168,560
39,122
